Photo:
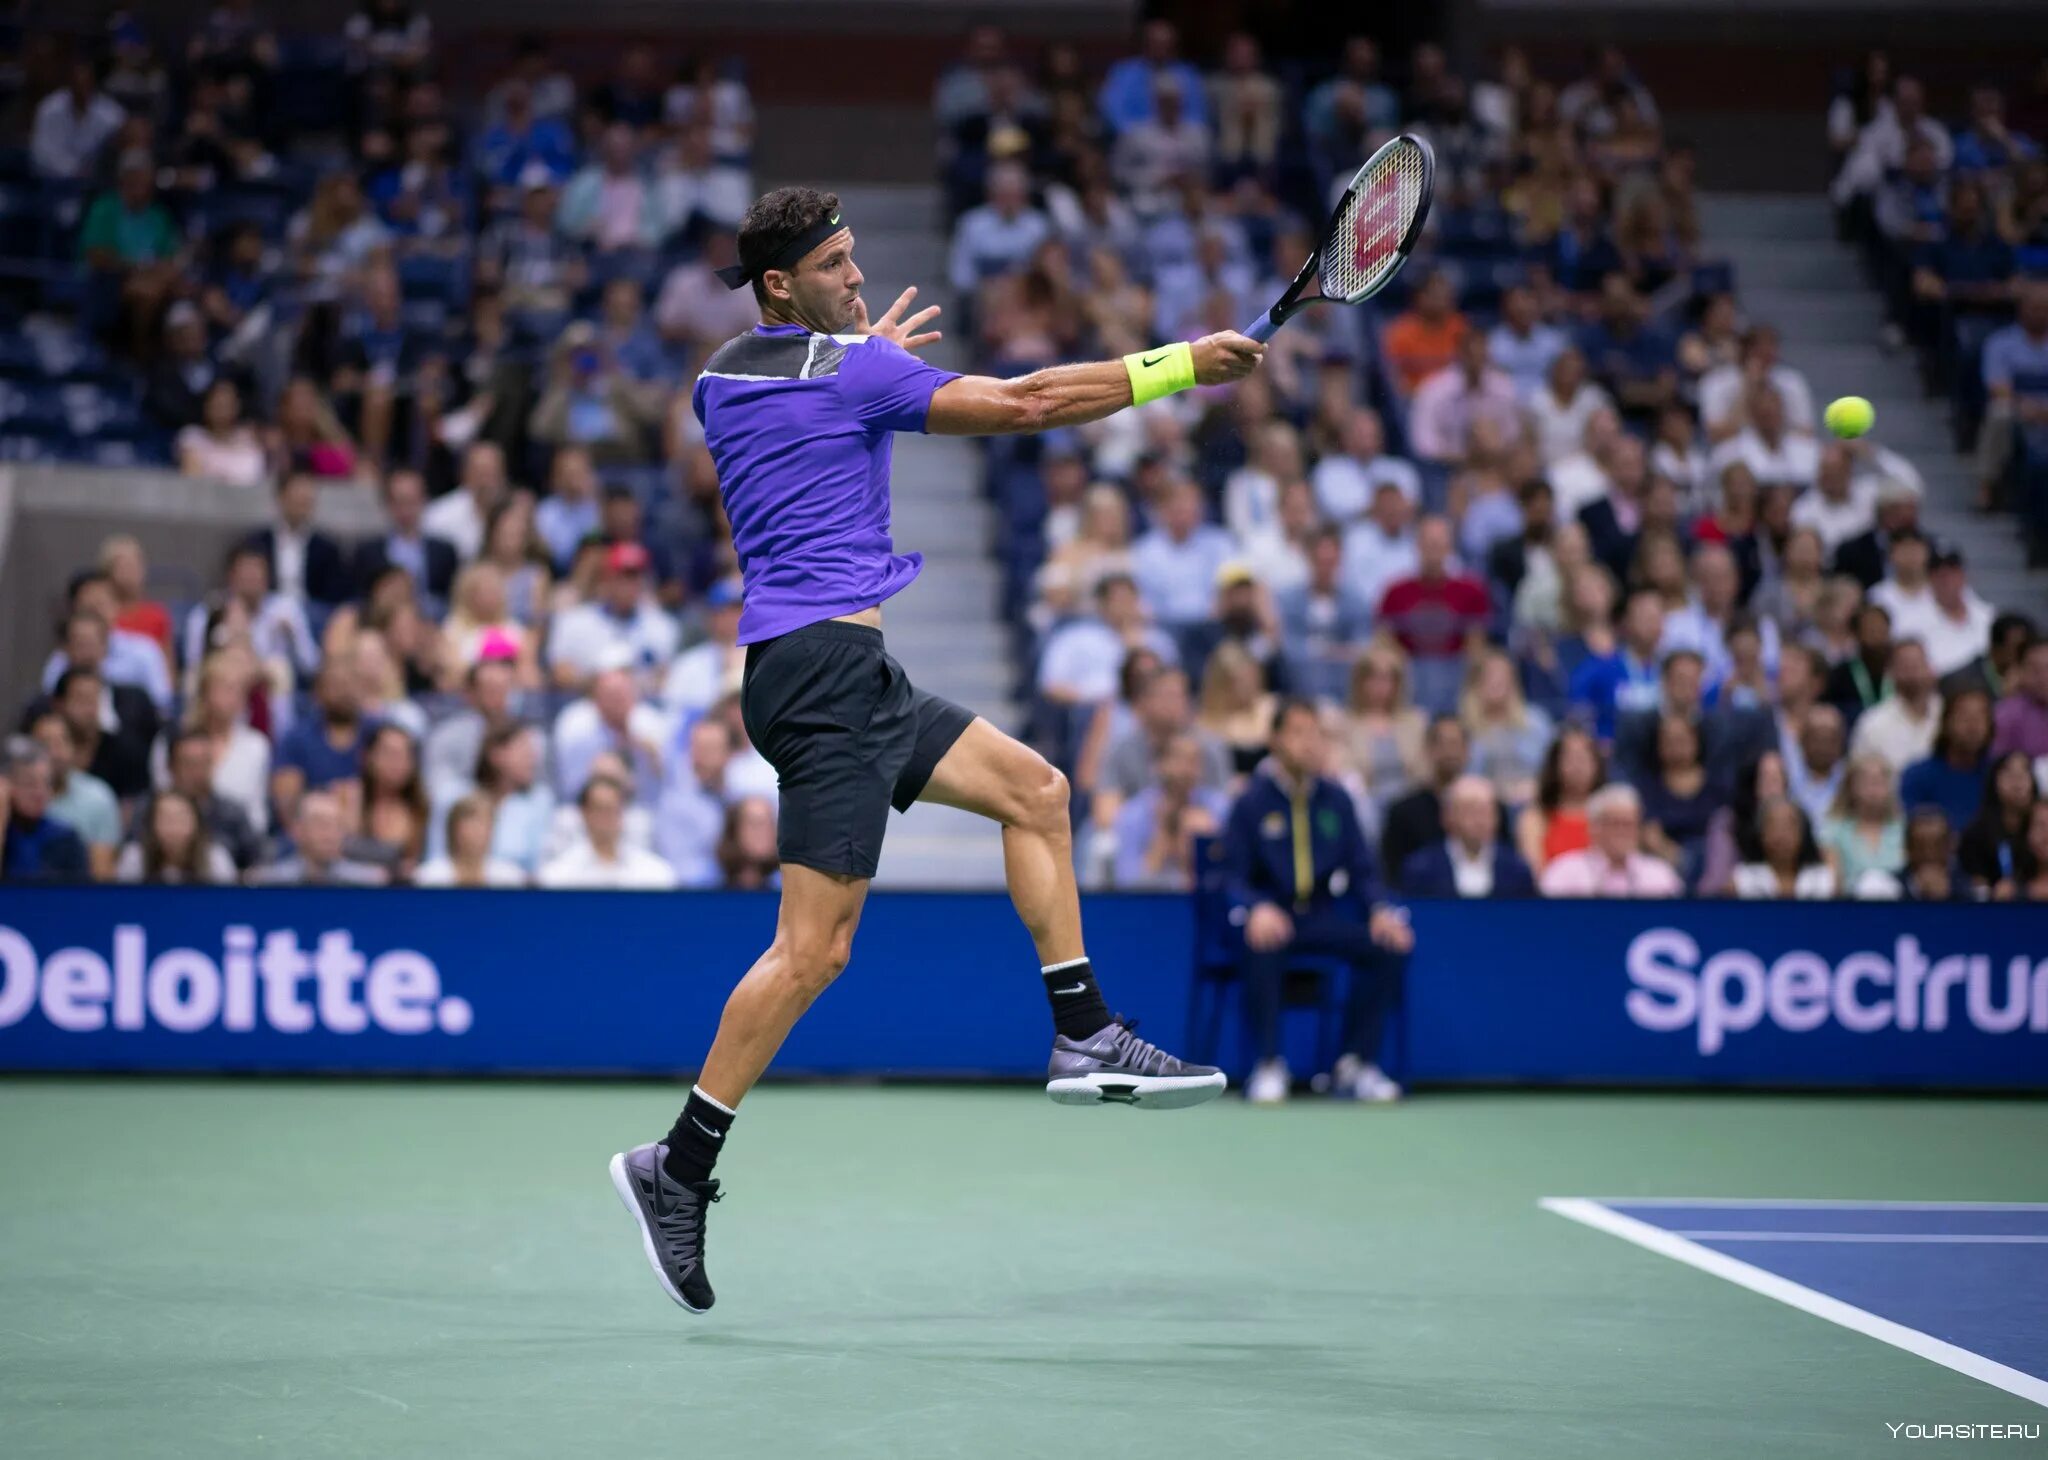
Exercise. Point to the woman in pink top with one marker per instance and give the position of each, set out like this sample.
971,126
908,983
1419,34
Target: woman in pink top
1615,864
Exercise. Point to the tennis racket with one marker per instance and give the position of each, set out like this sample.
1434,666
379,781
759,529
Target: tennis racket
1369,234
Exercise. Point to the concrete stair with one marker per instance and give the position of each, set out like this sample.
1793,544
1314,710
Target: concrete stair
1792,272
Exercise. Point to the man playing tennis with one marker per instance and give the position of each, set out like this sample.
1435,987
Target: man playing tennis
799,414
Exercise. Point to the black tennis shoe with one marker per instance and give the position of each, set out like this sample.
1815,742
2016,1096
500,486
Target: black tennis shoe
670,1215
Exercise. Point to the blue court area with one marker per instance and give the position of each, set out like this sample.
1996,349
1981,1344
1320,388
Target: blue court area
1970,1275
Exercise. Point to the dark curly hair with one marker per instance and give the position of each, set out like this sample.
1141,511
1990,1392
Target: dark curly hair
773,220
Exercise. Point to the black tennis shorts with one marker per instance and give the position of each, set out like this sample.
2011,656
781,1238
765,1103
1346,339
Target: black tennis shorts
849,736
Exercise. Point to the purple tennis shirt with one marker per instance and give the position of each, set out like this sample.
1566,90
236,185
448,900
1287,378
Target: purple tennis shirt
801,426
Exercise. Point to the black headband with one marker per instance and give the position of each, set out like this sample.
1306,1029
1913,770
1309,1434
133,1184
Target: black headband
786,257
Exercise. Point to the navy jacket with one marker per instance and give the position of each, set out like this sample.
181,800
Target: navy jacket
1428,873
1260,850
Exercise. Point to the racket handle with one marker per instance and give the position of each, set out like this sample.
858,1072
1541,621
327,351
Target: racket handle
1261,329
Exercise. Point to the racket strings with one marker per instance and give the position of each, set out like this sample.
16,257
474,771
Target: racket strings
1365,245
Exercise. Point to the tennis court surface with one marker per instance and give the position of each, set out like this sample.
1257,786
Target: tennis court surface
222,1268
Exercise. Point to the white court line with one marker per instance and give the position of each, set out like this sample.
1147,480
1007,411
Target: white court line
1960,1237
1591,1213
1824,1203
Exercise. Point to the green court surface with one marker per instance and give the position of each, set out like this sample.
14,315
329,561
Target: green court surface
210,1269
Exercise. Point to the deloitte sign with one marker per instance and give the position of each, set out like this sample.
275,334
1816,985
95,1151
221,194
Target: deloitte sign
274,983
1901,988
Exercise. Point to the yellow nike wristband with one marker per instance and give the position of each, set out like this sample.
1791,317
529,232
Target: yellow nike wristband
1160,371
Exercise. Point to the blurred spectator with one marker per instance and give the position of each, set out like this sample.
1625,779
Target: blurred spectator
610,203
1951,779
1348,108
112,727
1416,819
603,858
1235,707
1251,494
1791,865
611,717
1382,734
2031,883
1161,713
36,846
1678,798
172,846
1774,453
1325,903
2022,716
1380,548
1321,619
1424,338
1614,865
1929,873
1464,397
195,771
1155,829
1437,614
694,308
1562,413
1856,682
1522,345
747,858
1508,735
1247,104
513,547
431,561
1633,357
621,624
693,189
1555,822
184,374
72,124
1843,506
326,747
1954,623
537,269
593,401
1176,563
1814,765
124,659
690,820
710,668
468,861
1899,729
305,563
1470,861
1727,391
1082,657
1347,481
1993,845
318,828
221,444
1131,87
1864,830
1001,235
1153,155
1626,678
459,517
569,513
520,138
1702,625
2015,372
386,807
79,799
508,776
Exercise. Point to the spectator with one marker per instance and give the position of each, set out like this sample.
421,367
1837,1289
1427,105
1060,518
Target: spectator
459,517
1327,903
1555,822
1508,735
1867,556
690,820
1235,707
1864,830
1436,615
388,815
513,547
1130,89
1814,765
1791,601
2022,717
610,204
1954,624
1156,828
1001,235
1154,156
1994,844
1522,345
1842,507
621,623
1775,454
593,401
305,563
72,124
604,859
611,717
1563,412
1727,391
1899,729
1161,713
1347,480
1416,820
1679,798
694,308
1614,865
1626,680
569,513
318,829
1352,105
1383,734
221,444
1467,396
1470,861
172,846
79,799
1177,562
192,767
1633,358
112,727
1929,873
1702,625
1251,494
538,270
36,846
1856,683
468,861
327,747
1322,619
747,857
1081,658
2015,372
711,668
1247,104
1951,778
508,776
521,138
1424,338
1380,548
123,659
430,560
1791,865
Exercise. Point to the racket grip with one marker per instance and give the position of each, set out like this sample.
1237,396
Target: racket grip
1261,329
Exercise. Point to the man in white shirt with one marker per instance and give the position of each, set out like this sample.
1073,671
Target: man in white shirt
604,858
1522,344
1724,390
1901,726
72,124
1775,454
1083,657
1906,593
1381,548
1176,563
279,632
1840,506
690,817
1581,477
1880,150
621,623
462,514
611,717
1957,631
706,672
1346,480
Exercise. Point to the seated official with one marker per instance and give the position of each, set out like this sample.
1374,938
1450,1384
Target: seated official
1471,860
1302,882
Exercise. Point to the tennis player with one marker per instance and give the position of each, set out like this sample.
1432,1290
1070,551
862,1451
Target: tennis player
799,414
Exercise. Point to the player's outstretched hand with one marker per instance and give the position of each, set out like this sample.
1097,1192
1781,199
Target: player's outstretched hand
1227,356
893,325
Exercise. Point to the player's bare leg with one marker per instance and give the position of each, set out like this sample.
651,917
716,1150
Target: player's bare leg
667,1185
1095,1059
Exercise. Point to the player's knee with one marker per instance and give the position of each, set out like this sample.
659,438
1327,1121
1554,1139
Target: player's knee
812,960
1045,799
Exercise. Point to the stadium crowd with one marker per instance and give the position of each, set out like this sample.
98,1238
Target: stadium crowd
1548,533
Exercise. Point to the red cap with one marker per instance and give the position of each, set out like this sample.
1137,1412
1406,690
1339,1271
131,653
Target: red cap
625,557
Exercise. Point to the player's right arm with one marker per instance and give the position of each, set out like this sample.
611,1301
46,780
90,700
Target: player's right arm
1072,395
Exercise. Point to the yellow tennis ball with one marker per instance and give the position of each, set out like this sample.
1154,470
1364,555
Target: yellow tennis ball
1850,416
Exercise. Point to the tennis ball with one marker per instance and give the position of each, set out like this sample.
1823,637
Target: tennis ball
1850,416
